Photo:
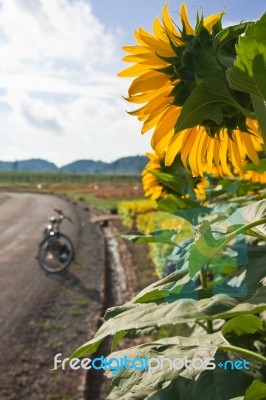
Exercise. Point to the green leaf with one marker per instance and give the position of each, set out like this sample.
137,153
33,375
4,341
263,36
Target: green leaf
206,103
260,168
201,347
244,324
249,70
172,203
249,276
141,315
259,69
256,391
260,110
246,215
118,336
226,35
172,284
204,250
210,385
213,251
170,181
160,236
192,214
238,80
250,45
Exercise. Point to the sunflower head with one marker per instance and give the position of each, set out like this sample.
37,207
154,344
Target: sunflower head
169,66
151,185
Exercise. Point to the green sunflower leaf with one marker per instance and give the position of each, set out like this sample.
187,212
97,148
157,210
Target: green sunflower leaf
206,103
210,385
260,168
246,215
171,285
249,70
243,324
210,246
170,181
139,316
256,391
172,202
200,347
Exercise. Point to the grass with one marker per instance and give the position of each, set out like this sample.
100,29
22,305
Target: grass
77,313
51,326
33,178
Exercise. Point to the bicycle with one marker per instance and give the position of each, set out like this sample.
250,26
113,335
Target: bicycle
56,251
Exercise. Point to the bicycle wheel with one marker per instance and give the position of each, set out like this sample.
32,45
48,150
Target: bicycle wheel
55,253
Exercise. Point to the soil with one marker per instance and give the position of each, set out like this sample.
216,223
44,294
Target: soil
63,318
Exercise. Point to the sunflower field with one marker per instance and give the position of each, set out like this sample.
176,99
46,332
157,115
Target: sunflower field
201,91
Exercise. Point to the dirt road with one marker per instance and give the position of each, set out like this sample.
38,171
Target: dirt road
22,283
41,314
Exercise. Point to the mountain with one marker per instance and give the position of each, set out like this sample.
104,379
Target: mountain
34,164
125,165
85,166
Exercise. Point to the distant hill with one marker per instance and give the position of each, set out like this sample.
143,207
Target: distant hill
125,165
85,166
35,164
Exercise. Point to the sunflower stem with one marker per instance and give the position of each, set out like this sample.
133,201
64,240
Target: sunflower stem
260,111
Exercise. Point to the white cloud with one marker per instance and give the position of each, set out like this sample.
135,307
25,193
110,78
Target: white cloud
58,66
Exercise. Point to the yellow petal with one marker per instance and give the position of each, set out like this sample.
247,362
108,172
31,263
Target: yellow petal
174,147
136,49
166,123
194,152
134,70
185,21
169,26
250,150
210,154
151,80
163,143
224,152
211,20
159,30
186,145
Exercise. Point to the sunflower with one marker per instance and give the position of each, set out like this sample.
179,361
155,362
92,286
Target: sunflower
155,189
200,188
151,185
255,177
168,66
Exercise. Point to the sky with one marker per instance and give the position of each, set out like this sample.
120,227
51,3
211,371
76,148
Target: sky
60,97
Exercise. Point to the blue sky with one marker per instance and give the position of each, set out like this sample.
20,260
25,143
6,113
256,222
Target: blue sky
141,12
60,98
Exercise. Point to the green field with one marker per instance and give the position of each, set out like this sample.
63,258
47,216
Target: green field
61,177
99,190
